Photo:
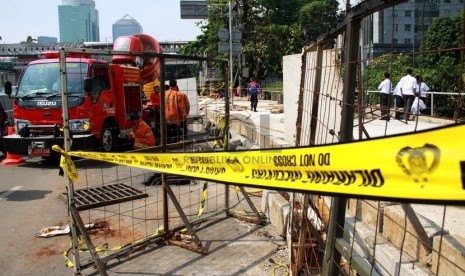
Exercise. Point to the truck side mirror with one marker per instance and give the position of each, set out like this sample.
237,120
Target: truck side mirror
8,89
88,84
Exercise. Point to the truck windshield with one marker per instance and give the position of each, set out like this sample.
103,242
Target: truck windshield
44,79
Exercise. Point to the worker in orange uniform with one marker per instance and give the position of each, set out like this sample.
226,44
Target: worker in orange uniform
155,97
177,108
141,133
185,109
155,102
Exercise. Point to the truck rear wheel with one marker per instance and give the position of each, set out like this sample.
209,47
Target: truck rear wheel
108,138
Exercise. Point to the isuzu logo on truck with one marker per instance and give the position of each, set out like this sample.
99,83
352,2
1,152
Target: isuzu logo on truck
46,103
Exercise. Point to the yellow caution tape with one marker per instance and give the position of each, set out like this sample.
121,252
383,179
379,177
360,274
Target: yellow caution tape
236,189
68,262
204,198
256,192
221,132
214,87
103,247
277,265
100,248
67,164
424,166
244,209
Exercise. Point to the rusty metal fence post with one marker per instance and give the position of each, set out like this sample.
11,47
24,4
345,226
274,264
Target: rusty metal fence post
332,257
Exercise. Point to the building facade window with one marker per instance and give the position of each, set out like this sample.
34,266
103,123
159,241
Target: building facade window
408,27
408,13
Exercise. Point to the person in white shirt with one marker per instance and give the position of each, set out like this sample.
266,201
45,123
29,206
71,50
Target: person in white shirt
385,88
407,86
423,88
399,101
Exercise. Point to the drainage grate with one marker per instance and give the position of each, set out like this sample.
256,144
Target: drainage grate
94,197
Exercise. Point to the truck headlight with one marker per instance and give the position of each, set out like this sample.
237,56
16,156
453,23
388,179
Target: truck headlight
79,125
20,124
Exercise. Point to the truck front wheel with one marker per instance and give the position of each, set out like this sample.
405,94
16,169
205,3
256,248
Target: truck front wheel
108,138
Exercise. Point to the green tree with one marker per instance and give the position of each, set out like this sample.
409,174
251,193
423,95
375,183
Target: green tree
444,33
279,28
442,61
374,73
439,66
29,40
317,17
270,30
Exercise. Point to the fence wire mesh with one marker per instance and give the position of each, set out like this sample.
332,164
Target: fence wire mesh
339,101
127,223
126,209
328,235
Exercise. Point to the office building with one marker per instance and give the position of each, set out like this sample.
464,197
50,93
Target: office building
126,26
400,29
78,21
47,40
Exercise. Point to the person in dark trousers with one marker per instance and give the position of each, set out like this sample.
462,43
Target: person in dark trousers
399,102
253,88
385,88
155,102
407,86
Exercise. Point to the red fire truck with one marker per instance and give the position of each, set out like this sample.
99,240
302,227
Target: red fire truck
101,98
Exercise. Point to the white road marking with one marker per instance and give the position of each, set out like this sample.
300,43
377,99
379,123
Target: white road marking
7,193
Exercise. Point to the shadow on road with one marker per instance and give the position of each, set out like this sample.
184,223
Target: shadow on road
54,163
41,163
25,195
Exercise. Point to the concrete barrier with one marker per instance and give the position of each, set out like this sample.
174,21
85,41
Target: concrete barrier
398,249
451,257
277,209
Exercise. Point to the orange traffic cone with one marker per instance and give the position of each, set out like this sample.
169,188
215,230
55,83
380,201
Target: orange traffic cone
12,159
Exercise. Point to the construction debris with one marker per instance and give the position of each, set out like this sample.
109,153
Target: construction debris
57,230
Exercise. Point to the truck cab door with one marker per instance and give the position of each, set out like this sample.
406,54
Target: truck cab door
100,81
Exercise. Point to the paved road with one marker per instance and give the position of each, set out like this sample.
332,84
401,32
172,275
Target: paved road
29,201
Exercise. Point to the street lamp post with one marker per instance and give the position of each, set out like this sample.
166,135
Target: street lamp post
231,75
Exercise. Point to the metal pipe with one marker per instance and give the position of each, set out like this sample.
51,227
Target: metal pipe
230,55
67,147
163,143
332,257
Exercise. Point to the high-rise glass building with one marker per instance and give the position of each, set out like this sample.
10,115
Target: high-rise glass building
78,21
400,28
126,26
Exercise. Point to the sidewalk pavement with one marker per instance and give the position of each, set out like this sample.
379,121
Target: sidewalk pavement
234,248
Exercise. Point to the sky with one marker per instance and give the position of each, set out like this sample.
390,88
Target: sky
158,18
